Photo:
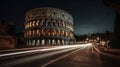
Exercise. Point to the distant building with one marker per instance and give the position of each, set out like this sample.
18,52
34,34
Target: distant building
7,41
7,38
20,40
48,26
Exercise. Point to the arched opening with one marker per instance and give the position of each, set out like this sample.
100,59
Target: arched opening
54,24
43,42
53,32
58,42
49,24
30,33
48,32
53,42
27,25
30,24
49,41
38,32
38,42
44,23
66,42
63,42
33,43
33,33
58,32
29,42
63,24
43,32
33,23
41,24
37,23
59,24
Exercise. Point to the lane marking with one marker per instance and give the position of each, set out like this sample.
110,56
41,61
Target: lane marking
71,47
52,61
32,58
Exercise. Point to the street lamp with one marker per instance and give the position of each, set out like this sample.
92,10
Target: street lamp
87,39
98,38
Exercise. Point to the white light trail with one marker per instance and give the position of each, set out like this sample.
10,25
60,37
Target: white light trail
46,49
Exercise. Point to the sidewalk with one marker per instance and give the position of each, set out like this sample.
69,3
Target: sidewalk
108,54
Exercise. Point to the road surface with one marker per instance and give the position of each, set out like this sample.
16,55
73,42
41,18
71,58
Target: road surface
61,56
81,58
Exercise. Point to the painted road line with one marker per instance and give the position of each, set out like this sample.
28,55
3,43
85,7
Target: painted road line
52,61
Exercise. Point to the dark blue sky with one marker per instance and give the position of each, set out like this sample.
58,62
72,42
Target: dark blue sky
90,16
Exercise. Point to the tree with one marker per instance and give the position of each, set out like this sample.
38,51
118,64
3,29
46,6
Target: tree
115,4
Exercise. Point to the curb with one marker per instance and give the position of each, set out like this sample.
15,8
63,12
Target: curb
106,56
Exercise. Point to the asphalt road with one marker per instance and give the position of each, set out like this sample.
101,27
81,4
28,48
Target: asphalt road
78,56
35,58
86,57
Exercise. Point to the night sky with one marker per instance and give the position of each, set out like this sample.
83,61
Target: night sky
90,16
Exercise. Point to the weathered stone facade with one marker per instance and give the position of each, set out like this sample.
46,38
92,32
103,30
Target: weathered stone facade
48,26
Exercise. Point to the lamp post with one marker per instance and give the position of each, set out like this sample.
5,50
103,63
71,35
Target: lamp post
98,41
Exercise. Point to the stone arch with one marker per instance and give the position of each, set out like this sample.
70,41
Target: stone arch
42,21
63,42
59,23
30,42
58,42
33,32
33,42
30,24
66,42
37,32
30,33
38,42
33,24
42,31
49,41
54,23
49,23
58,32
37,23
48,33
43,42
27,42
53,42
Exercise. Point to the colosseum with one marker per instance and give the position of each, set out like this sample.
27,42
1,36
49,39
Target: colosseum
48,26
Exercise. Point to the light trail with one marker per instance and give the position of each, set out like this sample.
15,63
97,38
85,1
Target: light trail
47,49
36,57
